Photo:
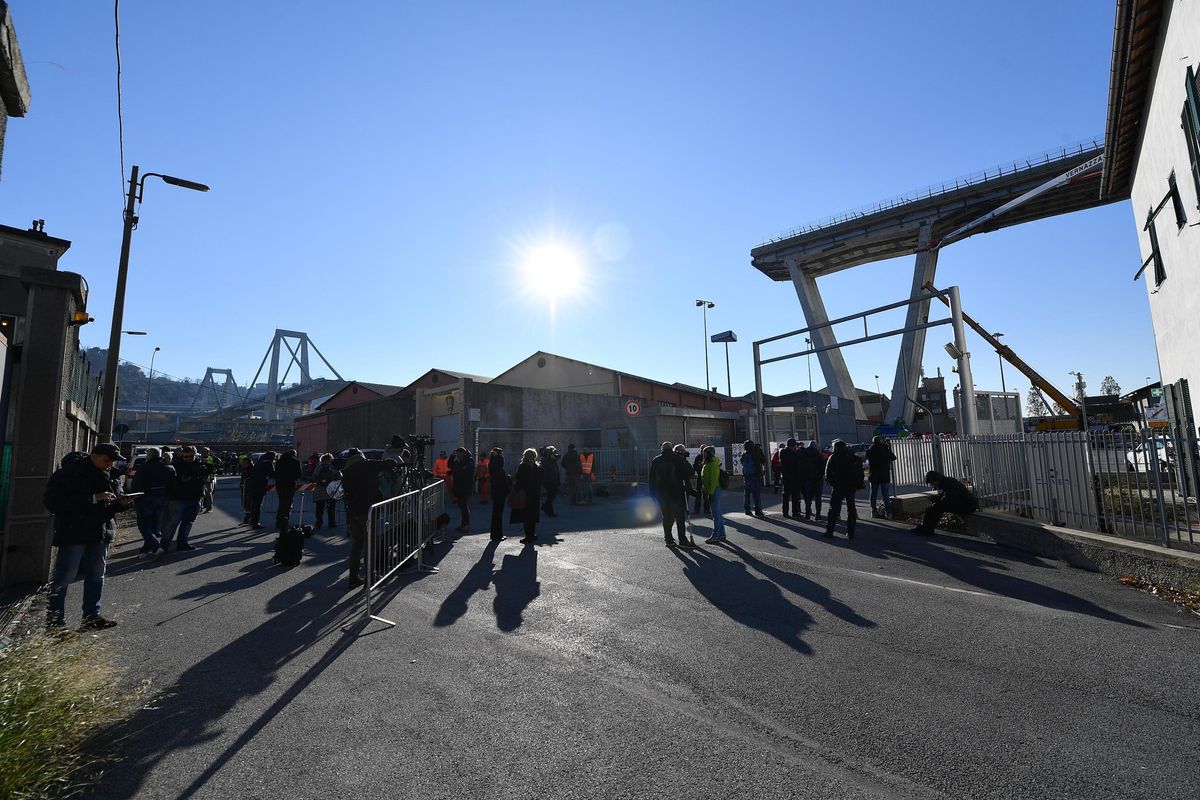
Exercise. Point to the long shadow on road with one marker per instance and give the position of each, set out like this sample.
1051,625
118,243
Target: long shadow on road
190,713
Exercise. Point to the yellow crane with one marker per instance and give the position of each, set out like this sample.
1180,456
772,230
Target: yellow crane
1064,402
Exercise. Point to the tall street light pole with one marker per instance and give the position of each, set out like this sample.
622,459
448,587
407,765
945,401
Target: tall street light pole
704,306
1080,386
108,406
149,388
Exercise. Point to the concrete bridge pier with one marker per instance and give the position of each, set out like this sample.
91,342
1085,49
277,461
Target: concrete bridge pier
833,365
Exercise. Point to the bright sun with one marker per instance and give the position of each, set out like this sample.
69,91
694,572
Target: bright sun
552,270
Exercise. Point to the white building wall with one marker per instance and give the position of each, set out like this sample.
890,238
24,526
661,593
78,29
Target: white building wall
1175,305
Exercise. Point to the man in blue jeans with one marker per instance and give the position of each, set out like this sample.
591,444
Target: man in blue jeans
753,467
185,495
153,481
83,498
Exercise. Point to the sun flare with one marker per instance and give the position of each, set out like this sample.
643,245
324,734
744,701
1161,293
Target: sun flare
552,270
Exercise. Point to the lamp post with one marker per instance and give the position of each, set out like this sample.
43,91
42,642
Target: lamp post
133,198
725,337
704,306
1000,355
149,388
1079,387
811,404
134,333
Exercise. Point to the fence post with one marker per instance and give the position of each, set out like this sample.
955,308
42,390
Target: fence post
937,455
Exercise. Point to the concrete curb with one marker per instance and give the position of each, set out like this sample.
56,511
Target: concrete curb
1096,552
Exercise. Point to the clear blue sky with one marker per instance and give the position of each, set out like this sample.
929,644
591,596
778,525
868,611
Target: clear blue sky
379,170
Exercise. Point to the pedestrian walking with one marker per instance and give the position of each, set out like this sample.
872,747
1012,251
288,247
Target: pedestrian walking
185,496
711,474
753,468
528,481
844,474
952,497
670,481
462,475
84,499
812,475
551,478
325,472
288,472
153,481
879,459
501,484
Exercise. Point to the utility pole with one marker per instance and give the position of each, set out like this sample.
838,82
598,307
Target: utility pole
704,306
1080,385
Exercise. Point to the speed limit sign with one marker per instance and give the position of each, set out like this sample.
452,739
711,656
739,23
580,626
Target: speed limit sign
632,408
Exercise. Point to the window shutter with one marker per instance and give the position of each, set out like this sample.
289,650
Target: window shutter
1191,127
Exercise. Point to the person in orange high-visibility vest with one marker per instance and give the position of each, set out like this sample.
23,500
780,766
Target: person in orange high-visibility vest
586,461
441,471
481,479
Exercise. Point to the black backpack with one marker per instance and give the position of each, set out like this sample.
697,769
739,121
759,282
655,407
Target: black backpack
723,479
289,547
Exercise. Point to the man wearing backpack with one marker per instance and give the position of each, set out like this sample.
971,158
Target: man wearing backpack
83,498
714,479
844,474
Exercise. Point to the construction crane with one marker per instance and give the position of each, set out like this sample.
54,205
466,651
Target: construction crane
1064,402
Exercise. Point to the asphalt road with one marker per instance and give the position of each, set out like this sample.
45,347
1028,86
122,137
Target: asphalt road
605,665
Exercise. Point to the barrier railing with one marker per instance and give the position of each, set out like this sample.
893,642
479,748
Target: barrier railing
397,531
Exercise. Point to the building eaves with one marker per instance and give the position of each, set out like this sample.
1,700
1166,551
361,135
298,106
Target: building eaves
1137,31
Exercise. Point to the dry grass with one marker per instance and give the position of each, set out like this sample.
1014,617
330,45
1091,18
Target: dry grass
55,696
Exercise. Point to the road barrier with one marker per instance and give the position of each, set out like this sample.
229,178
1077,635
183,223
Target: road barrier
397,531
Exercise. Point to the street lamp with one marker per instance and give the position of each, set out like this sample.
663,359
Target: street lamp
1000,355
726,337
133,198
704,306
149,387
134,333
1080,386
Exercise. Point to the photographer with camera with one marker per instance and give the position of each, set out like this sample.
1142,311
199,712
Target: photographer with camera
84,500
360,482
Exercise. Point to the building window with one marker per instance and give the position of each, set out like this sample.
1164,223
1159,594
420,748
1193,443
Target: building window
1176,201
1191,128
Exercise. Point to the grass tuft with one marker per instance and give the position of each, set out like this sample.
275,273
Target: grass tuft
55,695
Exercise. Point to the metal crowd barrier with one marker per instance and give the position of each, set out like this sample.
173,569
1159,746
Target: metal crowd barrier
397,531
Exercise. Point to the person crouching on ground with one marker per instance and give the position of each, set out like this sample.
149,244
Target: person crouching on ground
710,476
952,497
528,480
83,499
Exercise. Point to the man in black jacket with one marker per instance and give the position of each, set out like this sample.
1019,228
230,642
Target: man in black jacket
880,458
670,481
287,472
360,483
462,478
154,481
184,498
789,471
254,487
952,497
812,474
83,499
844,473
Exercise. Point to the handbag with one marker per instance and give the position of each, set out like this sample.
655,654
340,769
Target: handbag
516,499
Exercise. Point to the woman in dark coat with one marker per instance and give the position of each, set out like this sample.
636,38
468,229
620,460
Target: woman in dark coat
498,480
528,478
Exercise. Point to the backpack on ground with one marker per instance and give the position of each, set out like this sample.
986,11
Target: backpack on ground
289,547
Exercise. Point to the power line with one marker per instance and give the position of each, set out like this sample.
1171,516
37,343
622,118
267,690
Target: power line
120,116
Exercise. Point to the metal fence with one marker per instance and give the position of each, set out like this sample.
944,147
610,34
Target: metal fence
1109,483
397,531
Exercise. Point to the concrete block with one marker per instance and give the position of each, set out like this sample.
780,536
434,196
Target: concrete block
911,505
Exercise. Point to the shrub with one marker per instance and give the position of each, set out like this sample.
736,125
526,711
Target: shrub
55,694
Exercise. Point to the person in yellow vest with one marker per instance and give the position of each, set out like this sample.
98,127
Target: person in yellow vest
586,462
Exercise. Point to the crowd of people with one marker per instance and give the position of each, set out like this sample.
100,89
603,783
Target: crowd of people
171,488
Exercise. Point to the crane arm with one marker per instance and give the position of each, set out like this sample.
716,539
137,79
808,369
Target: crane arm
1066,403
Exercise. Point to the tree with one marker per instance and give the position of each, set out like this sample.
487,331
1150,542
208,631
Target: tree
1109,387
1035,405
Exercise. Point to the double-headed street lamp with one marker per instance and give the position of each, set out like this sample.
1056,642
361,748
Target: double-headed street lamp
133,198
149,387
704,306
